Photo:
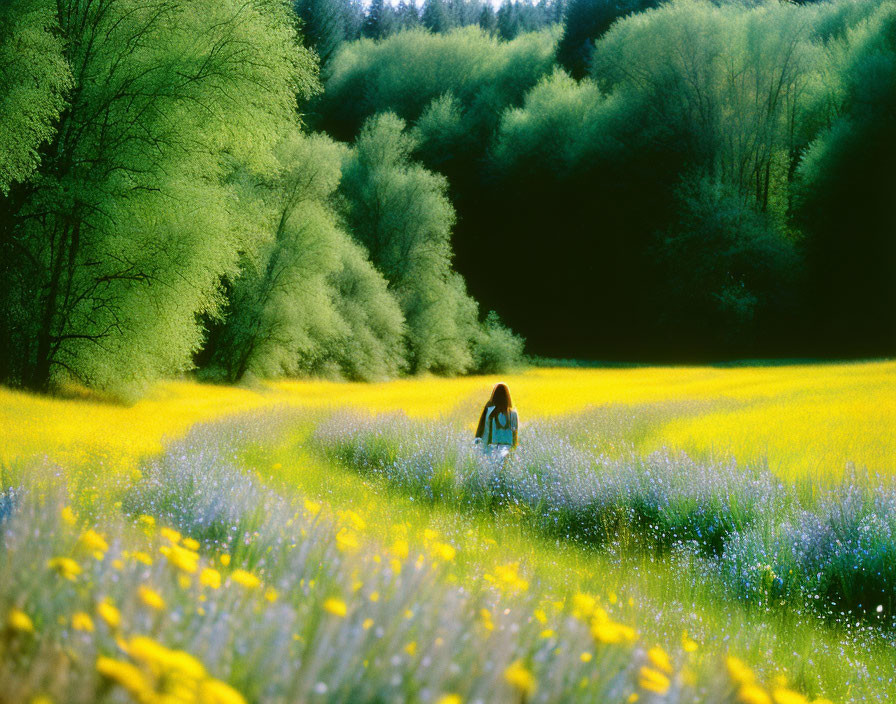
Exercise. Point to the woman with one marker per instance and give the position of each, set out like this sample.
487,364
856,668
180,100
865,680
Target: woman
498,428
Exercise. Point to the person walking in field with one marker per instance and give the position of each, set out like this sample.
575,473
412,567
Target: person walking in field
498,429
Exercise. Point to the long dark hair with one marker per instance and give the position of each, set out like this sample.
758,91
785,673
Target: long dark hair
500,400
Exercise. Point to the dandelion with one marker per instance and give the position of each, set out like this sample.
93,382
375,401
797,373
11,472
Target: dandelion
127,675
688,644
312,508
374,596
112,616
146,520
660,659
142,557
94,541
449,699
335,606
520,677
653,680
739,671
751,694
583,606
180,557
190,544
210,577
586,657
171,535
411,648
68,516
82,622
271,594
444,551
225,559
367,624
151,598
216,692
401,549
347,541
164,660
783,695
19,621
245,579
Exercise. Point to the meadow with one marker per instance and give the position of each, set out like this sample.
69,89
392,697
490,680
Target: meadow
714,534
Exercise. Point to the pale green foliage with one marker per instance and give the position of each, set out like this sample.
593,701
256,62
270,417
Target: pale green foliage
309,302
737,80
561,123
497,348
400,212
407,71
131,222
34,78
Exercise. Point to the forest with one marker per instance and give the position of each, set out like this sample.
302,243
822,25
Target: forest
260,188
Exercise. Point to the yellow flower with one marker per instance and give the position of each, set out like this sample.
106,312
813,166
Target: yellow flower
225,559
312,507
486,617
449,699
182,558
92,540
783,695
151,598
271,594
190,544
368,622
217,692
411,648
125,674
336,607
143,557
347,541
444,551
171,535
147,520
82,622
68,516
210,577
583,606
739,671
374,596
660,659
586,657
111,615
520,677
540,616
246,579
688,644
401,549
751,694
65,566
547,633
18,620
164,660
611,632
653,680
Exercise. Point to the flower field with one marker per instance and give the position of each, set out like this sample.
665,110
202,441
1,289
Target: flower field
720,534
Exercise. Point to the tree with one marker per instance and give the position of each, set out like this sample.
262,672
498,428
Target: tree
34,79
380,20
308,301
399,211
323,26
845,209
435,16
585,22
117,244
488,21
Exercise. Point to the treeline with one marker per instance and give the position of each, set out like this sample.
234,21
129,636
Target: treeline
694,179
161,206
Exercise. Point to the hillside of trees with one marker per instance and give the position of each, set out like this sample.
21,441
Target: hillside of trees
266,188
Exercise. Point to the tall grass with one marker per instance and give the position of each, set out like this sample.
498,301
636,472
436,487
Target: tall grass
833,554
274,603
